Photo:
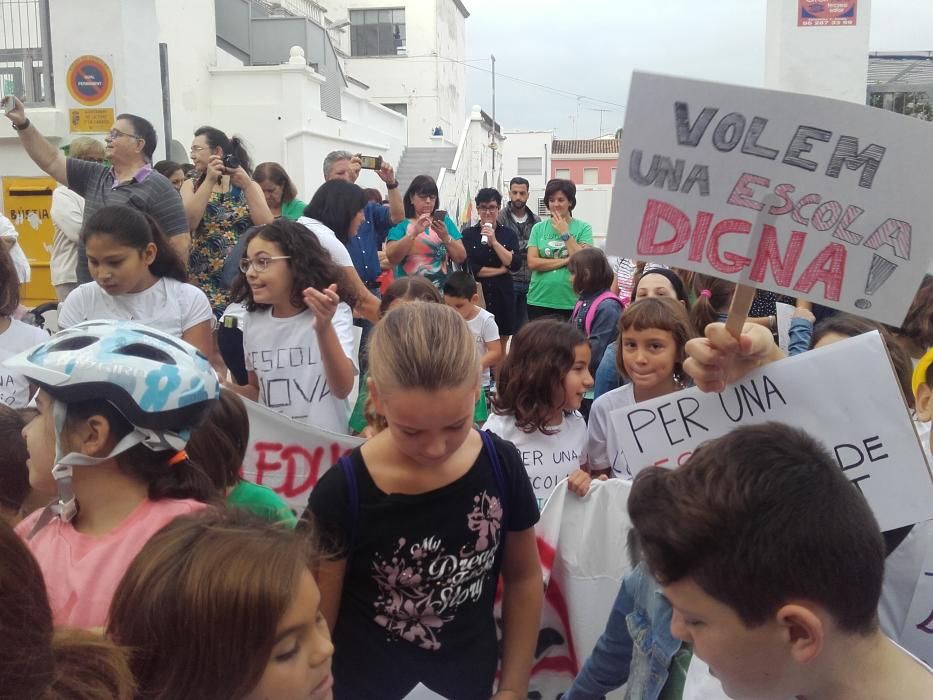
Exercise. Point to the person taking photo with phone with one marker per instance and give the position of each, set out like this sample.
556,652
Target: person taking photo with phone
428,241
221,202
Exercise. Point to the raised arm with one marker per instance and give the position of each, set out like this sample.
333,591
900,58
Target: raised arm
49,159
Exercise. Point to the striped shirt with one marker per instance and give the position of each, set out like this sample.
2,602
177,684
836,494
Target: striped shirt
149,192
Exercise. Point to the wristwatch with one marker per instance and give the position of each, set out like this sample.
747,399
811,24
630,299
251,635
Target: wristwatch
565,237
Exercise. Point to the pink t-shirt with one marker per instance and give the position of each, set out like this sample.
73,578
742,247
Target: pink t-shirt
82,571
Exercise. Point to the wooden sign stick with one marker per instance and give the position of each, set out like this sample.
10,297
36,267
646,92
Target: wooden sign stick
742,300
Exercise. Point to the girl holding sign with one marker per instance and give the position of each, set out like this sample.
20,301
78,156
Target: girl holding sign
542,384
652,335
421,519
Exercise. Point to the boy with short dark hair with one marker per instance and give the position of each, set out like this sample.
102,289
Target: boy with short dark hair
460,293
773,562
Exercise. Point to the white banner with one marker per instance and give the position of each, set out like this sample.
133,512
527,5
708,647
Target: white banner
289,457
845,395
806,196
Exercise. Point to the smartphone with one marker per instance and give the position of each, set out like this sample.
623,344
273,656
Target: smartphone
7,104
439,215
371,162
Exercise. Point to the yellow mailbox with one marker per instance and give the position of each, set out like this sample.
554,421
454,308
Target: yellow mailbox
27,202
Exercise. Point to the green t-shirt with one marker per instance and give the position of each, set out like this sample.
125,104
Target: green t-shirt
552,289
358,417
293,209
261,501
677,674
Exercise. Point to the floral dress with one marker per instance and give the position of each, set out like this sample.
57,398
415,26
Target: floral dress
225,219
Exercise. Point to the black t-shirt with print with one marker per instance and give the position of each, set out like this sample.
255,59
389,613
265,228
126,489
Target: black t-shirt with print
420,583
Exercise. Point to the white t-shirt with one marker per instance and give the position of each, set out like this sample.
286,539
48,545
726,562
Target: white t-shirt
484,329
14,387
548,459
284,354
328,239
67,214
169,306
602,444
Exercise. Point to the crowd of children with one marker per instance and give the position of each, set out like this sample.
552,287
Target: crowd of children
122,477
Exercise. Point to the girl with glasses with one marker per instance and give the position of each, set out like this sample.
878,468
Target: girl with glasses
298,335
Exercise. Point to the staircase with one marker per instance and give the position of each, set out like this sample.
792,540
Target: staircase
423,161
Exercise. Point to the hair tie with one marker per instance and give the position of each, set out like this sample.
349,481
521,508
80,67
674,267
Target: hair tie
180,456
706,293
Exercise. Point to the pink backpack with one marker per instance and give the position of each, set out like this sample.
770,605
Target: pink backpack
591,312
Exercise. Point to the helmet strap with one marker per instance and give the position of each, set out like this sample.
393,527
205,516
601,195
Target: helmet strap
65,507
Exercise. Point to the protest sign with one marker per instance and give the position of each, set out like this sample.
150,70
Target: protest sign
845,395
806,196
918,629
289,457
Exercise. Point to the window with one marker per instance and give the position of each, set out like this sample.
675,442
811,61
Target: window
25,55
590,176
400,107
613,181
529,166
562,174
377,32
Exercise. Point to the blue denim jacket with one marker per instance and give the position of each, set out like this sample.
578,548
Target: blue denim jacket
636,646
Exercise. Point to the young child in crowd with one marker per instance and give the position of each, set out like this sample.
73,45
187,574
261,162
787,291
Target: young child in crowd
420,521
14,474
713,297
137,277
15,336
598,309
221,605
461,295
364,420
719,358
727,534
43,663
218,445
298,338
116,403
655,281
652,334
541,386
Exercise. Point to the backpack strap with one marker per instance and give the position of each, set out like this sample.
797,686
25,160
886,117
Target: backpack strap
492,454
594,305
353,496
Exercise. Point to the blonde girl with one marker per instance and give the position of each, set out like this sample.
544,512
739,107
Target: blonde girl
421,520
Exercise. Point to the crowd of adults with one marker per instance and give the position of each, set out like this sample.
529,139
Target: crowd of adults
205,207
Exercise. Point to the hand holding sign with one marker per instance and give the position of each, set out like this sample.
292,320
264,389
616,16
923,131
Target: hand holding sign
720,358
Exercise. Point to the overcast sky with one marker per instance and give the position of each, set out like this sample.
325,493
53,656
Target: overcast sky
590,47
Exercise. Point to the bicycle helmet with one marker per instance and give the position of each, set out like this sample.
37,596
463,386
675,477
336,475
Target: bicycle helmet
159,383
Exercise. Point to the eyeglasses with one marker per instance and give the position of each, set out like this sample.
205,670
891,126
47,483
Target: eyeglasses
116,133
488,207
260,264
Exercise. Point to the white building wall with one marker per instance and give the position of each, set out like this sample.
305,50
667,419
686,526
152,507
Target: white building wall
187,28
133,55
822,61
430,79
527,144
276,109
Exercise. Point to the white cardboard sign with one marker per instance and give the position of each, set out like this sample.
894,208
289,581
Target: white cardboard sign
806,196
845,395
289,457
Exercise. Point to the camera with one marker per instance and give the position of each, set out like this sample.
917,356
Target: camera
231,162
